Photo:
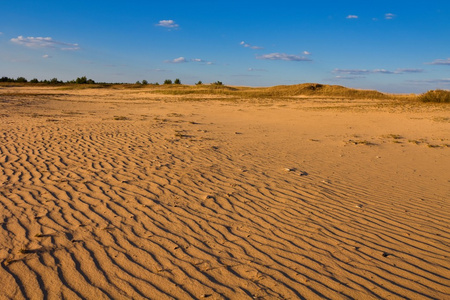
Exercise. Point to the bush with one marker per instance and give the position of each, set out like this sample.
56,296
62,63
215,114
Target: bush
199,82
177,81
21,80
144,82
218,83
439,96
167,81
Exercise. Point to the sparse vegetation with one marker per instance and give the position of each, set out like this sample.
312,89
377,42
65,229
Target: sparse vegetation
177,81
168,81
439,96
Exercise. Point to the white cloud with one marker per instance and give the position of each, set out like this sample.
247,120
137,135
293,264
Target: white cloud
306,53
244,44
352,17
177,60
351,71
46,56
375,71
440,62
167,24
389,16
283,56
256,70
44,42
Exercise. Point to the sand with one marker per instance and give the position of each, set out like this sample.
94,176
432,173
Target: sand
125,194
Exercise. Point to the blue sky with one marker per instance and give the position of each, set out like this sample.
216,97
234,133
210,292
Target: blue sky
392,46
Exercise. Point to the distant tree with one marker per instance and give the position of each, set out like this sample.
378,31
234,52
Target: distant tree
156,83
138,82
218,83
34,80
167,81
6,79
199,82
21,80
81,80
90,81
177,81
144,82
54,81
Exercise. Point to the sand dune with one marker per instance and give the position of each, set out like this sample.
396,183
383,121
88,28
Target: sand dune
110,194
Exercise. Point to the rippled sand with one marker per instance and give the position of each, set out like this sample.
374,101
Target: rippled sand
123,194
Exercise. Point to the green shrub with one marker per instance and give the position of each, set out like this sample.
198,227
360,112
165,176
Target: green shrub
177,81
440,96
168,81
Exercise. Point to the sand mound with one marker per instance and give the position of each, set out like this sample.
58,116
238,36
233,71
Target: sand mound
112,195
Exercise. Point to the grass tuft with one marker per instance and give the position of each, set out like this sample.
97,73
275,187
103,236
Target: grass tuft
438,96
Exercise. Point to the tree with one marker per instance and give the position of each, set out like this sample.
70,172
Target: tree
81,80
177,81
144,81
34,80
138,82
167,81
21,80
218,83
54,81
199,82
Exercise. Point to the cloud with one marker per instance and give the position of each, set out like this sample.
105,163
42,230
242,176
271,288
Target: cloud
400,71
351,71
375,71
44,42
389,16
306,53
283,56
352,17
199,60
46,56
440,62
349,77
178,60
256,70
245,45
168,24
431,81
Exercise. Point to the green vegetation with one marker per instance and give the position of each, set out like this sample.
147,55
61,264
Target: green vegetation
439,96
310,90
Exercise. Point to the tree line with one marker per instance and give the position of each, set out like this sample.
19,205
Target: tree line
85,80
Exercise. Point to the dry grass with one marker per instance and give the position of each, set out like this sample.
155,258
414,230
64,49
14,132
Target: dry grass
439,96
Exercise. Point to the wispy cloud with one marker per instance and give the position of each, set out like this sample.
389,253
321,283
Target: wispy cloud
444,81
349,77
306,53
199,60
256,70
182,59
375,71
46,56
352,17
168,24
440,62
389,16
178,60
244,44
44,42
283,56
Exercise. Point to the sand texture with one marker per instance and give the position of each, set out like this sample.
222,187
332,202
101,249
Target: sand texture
124,194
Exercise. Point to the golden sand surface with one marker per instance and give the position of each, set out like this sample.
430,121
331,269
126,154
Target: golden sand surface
125,194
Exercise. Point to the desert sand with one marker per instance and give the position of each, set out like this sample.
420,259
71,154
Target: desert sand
126,194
